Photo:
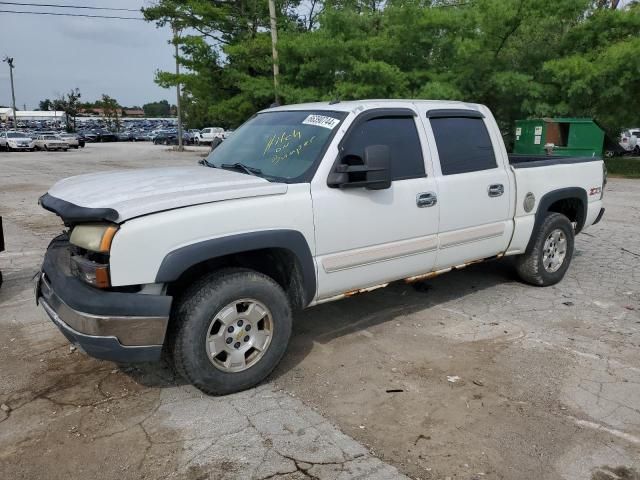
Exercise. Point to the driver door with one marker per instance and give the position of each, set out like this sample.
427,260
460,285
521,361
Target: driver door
365,237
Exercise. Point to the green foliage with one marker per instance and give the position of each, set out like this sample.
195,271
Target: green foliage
522,58
68,103
157,109
45,104
110,110
623,167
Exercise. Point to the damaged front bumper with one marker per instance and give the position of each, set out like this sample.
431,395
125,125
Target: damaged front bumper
116,326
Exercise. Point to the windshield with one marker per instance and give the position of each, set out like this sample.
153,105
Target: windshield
280,145
16,135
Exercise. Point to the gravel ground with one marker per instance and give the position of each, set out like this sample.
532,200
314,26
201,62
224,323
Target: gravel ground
471,375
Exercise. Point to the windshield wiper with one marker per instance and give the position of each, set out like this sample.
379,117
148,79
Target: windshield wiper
243,167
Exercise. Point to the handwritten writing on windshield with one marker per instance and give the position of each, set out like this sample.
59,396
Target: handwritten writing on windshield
286,144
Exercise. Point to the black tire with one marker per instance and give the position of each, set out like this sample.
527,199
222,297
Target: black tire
194,313
530,265
636,150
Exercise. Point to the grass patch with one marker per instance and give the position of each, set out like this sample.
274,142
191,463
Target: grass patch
628,167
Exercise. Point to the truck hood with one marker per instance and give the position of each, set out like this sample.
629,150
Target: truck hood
121,195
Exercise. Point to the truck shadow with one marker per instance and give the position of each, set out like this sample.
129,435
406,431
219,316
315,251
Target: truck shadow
325,323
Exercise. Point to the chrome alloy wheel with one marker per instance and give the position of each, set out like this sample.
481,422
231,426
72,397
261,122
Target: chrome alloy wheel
239,335
554,251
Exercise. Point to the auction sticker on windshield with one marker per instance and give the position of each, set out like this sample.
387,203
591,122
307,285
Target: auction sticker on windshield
321,121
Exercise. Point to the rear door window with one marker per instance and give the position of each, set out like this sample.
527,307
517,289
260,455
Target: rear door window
463,145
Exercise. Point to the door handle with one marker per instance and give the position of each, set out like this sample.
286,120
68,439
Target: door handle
496,190
426,199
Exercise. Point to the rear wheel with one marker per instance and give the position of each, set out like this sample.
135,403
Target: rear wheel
551,254
230,330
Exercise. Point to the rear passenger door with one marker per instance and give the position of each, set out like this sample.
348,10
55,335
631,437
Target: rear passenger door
474,191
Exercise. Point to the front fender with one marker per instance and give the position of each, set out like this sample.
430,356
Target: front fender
178,261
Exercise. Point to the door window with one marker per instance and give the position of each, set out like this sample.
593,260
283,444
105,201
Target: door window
463,145
399,134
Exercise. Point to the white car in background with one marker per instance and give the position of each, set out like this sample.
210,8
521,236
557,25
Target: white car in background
208,134
71,139
630,140
16,141
50,142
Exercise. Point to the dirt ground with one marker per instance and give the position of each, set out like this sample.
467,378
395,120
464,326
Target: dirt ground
471,375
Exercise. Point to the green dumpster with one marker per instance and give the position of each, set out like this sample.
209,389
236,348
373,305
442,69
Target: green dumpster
570,137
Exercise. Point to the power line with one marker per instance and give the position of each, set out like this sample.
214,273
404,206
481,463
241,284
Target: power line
72,15
58,5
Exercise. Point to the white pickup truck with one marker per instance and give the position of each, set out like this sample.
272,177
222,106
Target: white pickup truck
304,204
208,134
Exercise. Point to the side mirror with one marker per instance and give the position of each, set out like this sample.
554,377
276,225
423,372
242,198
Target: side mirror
373,172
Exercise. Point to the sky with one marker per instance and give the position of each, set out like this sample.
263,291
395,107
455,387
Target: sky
55,54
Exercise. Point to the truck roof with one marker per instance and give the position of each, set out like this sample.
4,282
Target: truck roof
353,105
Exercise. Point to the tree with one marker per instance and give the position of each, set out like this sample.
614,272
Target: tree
71,106
157,109
45,104
110,109
522,58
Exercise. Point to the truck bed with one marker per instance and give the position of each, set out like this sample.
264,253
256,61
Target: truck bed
531,161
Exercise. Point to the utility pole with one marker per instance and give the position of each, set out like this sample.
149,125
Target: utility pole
175,41
274,48
13,93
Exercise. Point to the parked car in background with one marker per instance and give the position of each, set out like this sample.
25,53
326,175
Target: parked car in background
71,138
630,140
208,134
16,141
106,136
195,135
90,137
124,136
50,142
165,137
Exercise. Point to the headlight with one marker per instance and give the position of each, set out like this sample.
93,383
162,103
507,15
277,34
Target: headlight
95,237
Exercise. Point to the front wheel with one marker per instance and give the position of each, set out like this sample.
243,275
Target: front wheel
551,254
230,330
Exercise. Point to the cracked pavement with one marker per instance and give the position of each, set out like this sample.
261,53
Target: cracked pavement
547,387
